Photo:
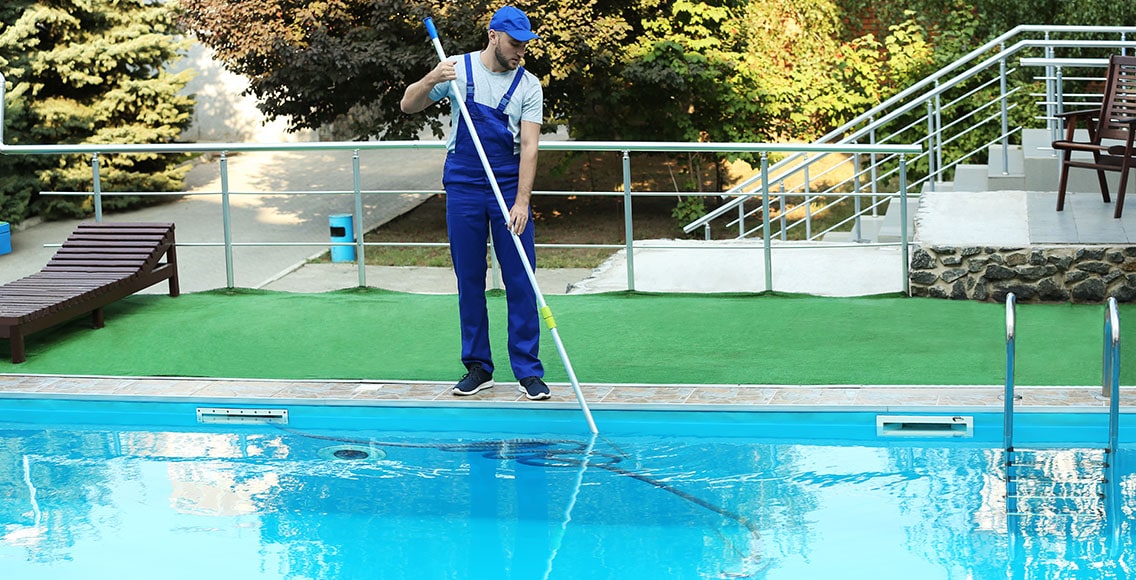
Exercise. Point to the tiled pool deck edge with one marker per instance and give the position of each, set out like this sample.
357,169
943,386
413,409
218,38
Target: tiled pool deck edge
884,398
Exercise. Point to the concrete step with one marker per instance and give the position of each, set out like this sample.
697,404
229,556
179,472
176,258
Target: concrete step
1037,143
869,231
971,178
890,228
1006,169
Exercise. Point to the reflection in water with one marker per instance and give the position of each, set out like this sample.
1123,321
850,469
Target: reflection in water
280,504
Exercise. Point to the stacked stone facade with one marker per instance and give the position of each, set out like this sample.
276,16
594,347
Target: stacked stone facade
1036,274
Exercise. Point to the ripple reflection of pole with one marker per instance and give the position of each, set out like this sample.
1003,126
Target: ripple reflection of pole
571,504
545,311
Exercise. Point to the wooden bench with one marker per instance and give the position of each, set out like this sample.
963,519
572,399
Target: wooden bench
99,263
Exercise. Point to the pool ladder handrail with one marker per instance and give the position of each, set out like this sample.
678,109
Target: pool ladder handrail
1110,373
1110,388
1008,412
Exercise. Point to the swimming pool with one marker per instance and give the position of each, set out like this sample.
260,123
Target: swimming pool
180,490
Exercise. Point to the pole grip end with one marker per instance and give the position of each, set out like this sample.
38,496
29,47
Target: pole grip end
430,30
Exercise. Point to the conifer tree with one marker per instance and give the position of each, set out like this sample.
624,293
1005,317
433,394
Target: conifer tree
88,71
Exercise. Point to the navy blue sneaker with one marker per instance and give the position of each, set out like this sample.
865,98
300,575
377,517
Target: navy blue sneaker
475,381
535,389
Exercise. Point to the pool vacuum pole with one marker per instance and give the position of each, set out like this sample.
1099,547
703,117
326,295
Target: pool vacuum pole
545,311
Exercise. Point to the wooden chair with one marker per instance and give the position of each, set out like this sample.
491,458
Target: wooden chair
99,263
1110,132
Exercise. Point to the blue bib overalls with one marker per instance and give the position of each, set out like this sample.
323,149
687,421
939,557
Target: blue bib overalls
471,214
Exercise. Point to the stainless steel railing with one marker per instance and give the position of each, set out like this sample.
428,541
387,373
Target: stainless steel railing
942,113
1008,394
1110,371
223,150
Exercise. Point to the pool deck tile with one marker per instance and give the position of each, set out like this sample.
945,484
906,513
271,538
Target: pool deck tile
617,396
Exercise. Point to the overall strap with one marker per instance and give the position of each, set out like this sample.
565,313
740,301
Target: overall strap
468,78
509,94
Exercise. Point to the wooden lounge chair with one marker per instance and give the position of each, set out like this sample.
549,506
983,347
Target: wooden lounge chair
99,263
1110,132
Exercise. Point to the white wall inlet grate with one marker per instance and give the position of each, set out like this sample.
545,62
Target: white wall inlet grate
241,415
924,426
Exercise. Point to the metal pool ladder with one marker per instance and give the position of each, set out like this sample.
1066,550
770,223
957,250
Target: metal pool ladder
1044,483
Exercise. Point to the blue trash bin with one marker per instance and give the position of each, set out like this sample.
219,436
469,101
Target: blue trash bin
5,238
342,230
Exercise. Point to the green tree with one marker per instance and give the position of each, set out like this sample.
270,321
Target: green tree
88,71
349,61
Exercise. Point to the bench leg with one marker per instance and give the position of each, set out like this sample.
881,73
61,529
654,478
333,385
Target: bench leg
97,318
171,259
16,344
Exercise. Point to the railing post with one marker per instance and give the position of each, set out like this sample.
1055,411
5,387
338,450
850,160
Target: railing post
903,221
938,140
97,187
783,217
768,249
226,220
1005,112
1051,120
931,176
873,167
628,233
741,218
361,259
494,265
808,205
1060,89
857,231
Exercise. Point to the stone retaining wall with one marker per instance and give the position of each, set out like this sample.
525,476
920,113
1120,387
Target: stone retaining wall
1035,274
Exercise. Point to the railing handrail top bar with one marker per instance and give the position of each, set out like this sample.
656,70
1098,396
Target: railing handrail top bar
1043,61
664,146
642,146
1068,28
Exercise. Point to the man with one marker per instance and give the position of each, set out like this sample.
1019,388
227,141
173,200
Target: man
506,104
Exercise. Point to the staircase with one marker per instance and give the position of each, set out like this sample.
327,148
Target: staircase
1032,166
965,105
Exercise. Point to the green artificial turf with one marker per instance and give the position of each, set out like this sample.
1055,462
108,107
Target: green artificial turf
610,338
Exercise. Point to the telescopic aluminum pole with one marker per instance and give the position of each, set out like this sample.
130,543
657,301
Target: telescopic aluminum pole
545,311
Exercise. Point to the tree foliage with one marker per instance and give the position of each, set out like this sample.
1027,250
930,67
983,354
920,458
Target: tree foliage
87,71
666,69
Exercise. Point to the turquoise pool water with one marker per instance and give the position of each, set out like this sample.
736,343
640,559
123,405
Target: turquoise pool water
143,490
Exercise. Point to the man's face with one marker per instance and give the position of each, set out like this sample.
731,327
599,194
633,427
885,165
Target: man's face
508,51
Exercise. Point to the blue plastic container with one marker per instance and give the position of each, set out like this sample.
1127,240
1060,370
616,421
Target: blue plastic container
342,230
5,238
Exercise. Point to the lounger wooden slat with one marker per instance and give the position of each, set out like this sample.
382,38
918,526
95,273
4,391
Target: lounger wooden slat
92,261
99,264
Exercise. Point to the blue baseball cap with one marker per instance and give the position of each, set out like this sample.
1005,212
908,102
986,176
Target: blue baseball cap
513,22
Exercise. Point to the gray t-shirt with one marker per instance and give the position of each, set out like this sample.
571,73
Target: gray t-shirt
527,103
